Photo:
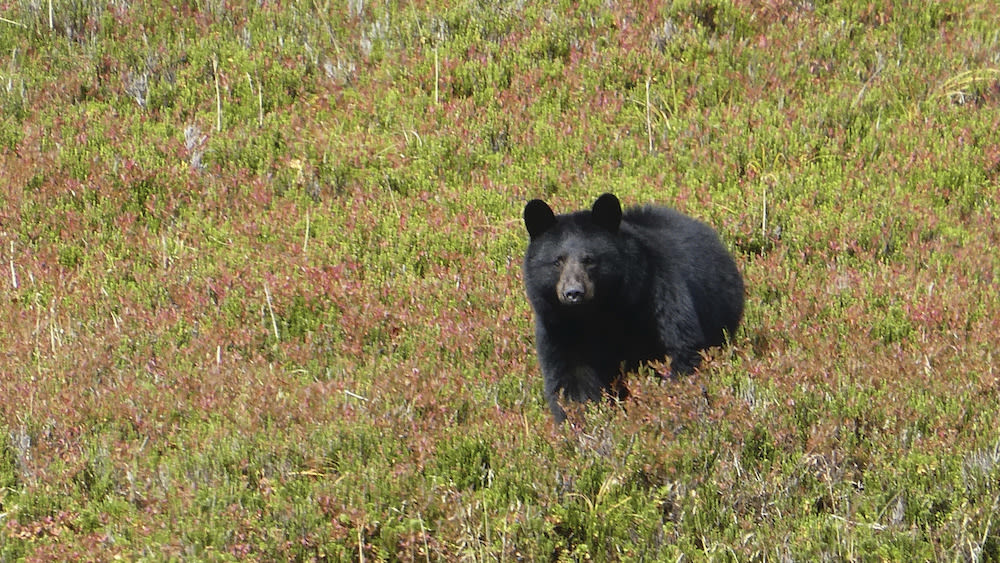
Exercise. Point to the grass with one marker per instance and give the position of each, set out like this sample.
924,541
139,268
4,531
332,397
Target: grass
262,297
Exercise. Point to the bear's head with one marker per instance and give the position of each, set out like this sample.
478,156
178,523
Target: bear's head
572,259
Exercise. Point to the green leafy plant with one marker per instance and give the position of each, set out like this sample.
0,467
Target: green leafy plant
262,295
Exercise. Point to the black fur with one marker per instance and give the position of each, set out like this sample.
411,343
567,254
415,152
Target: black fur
611,290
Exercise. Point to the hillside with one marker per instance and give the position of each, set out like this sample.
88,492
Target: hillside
262,295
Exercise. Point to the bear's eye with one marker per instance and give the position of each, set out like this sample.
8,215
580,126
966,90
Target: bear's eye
587,260
558,262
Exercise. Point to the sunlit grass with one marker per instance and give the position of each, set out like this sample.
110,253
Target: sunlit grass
262,296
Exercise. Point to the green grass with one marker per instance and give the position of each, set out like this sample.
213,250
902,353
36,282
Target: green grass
262,295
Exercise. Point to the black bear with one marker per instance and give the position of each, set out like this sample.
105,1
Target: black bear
611,290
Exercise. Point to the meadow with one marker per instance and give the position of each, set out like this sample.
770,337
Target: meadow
262,300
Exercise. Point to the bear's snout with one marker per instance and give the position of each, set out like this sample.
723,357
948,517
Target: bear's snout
575,286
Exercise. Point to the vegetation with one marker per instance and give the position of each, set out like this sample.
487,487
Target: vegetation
262,298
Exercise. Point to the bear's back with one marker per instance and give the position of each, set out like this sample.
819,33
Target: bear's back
684,250
672,233
661,218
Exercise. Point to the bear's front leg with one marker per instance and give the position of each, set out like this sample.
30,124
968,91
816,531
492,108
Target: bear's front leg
683,362
579,382
552,393
570,372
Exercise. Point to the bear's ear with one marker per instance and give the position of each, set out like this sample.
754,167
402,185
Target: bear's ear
538,218
607,212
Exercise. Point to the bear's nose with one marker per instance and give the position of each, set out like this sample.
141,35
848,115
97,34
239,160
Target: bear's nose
573,296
